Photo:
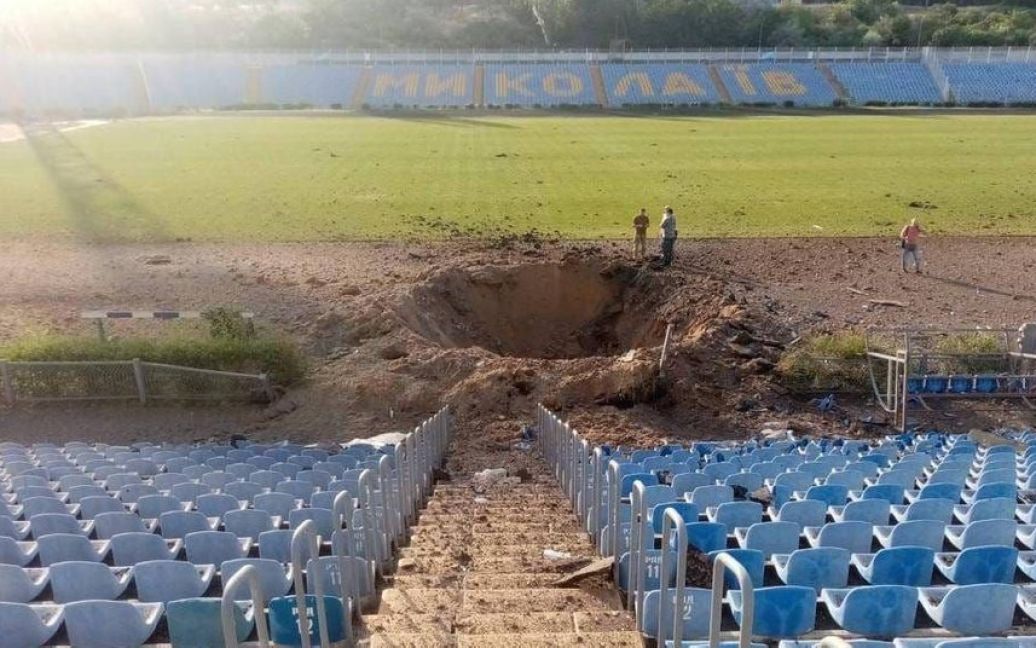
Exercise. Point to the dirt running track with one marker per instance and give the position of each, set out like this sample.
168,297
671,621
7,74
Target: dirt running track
395,329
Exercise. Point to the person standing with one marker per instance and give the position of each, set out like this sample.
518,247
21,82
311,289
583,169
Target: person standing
910,241
640,226
667,230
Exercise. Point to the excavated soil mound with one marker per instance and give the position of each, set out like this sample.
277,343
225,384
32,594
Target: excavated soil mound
542,310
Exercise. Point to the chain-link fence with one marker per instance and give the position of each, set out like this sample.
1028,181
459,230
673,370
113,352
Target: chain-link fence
126,380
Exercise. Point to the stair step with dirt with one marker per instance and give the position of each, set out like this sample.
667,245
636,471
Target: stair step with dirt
483,601
552,640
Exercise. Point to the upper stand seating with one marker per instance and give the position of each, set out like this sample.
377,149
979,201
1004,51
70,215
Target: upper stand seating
1004,83
887,83
539,84
658,83
800,84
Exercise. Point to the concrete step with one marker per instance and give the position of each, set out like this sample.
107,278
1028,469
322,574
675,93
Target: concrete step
535,550
550,640
499,581
498,525
420,601
523,517
483,601
441,565
374,624
410,640
545,539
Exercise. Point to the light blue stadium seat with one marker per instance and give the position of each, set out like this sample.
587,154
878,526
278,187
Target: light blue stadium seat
14,530
13,552
242,471
930,509
49,523
658,83
189,492
851,479
803,512
276,581
132,548
287,470
830,494
687,482
26,626
707,536
82,581
896,566
245,491
111,624
116,482
153,506
995,490
177,524
697,608
706,496
977,565
323,518
279,504
915,533
737,514
77,494
874,610
992,82
818,568
218,479
35,506
248,523
770,537
751,559
538,84
20,585
195,622
953,476
108,525
689,513
994,508
905,479
275,545
131,493
162,581
217,505
855,537
747,480
893,493
776,83
871,511
984,532
937,491
214,547
785,611
971,609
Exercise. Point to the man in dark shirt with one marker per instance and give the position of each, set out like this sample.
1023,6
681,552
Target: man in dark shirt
640,226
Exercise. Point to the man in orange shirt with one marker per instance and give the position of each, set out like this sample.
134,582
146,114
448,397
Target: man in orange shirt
640,225
910,241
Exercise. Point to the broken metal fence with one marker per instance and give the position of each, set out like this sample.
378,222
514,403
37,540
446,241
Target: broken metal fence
114,380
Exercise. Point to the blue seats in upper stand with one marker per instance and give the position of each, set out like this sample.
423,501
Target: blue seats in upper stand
984,564
315,83
873,610
776,83
209,81
538,84
971,609
907,83
83,82
782,611
441,85
818,568
658,83
992,82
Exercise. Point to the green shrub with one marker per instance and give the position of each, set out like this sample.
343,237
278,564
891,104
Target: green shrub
833,362
971,346
279,358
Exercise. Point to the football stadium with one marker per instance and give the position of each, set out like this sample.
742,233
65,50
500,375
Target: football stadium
631,323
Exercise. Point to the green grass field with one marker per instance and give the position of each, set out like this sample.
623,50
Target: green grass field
274,178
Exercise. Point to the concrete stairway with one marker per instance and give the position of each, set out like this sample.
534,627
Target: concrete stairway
474,573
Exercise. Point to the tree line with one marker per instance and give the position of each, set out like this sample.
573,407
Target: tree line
503,24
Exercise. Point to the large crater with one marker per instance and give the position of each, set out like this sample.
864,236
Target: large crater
569,310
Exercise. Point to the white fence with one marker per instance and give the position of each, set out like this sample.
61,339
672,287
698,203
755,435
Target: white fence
29,382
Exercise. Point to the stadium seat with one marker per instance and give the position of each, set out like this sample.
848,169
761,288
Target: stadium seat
707,536
19,585
162,581
873,610
129,549
697,606
165,481
971,609
245,491
111,624
871,511
62,547
83,581
177,524
13,552
817,568
278,504
893,493
737,514
854,537
131,493
276,579
994,508
215,547
687,482
915,533
14,530
984,532
977,565
153,506
706,496
216,505
108,525
803,512
26,626
249,523
780,612
275,545
196,622
751,559
91,507
770,537
189,492
910,566
830,494
284,628
929,509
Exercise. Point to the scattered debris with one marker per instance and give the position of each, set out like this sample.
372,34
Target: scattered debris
553,554
156,259
886,302
600,567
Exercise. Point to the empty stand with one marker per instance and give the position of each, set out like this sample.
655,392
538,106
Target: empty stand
801,84
887,83
1005,83
539,84
658,83
421,86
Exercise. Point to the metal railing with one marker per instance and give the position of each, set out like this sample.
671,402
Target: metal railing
113,380
247,575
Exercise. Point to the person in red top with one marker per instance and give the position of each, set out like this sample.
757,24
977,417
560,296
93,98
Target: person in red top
910,241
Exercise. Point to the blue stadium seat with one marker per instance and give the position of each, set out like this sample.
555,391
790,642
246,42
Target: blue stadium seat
687,482
977,565
871,511
196,622
111,624
915,533
284,629
896,566
439,86
874,610
751,559
279,504
971,609
803,512
893,493
275,545
747,480
537,84
854,537
108,525
13,552
895,83
697,608
19,585
992,82
14,530
26,626
994,508
82,581
707,536
830,494
218,479
930,509
817,568
658,83
245,491
770,537
131,493
782,611
984,532
162,581
153,506
776,83
275,580
706,496
737,514
189,492
36,506
177,524
249,523
129,549
216,505
77,494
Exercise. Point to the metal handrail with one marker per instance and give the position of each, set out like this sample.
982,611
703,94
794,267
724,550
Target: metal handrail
634,584
721,563
342,518
670,520
246,575
306,533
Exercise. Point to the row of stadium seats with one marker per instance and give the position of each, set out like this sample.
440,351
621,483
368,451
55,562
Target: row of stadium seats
102,545
828,534
172,82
